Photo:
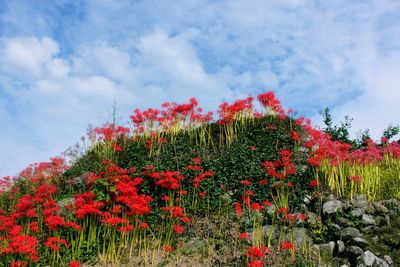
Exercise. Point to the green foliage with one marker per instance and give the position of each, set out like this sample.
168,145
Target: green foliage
231,163
337,132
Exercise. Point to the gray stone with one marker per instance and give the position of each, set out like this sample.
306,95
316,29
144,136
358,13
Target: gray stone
380,207
368,219
357,212
330,198
307,199
340,246
388,259
361,242
360,201
332,206
370,209
324,252
271,232
349,233
368,259
353,251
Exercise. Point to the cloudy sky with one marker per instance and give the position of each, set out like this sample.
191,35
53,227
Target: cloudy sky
63,62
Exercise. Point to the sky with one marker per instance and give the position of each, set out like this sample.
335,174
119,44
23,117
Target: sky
64,63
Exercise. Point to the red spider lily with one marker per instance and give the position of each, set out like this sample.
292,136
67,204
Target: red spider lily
286,245
295,136
256,252
186,220
54,242
356,178
238,209
283,210
18,264
74,263
114,220
165,198
111,132
244,236
252,147
302,217
126,229
269,101
175,211
256,206
313,184
168,179
194,168
266,203
168,248
24,244
263,182
201,177
34,227
245,182
202,194
179,229
196,160
144,225
255,263
291,218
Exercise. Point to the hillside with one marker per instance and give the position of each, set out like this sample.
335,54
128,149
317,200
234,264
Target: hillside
256,187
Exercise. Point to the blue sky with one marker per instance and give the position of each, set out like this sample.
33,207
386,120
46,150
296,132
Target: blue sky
63,62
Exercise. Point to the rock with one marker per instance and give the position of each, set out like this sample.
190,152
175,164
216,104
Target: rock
370,209
335,227
330,198
353,251
307,199
270,231
340,246
332,206
368,259
368,219
361,242
271,209
324,252
357,212
380,207
360,201
388,259
301,238
340,262
349,233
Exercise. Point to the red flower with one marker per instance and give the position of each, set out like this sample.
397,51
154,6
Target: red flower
202,194
356,178
285,245
256,252
244,236
252,147
54,242
313,184
179,229
18,264
283,210
196,160
245,182
74,263
168,248
255,263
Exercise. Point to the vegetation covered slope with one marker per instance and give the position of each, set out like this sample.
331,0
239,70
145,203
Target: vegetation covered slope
151,192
